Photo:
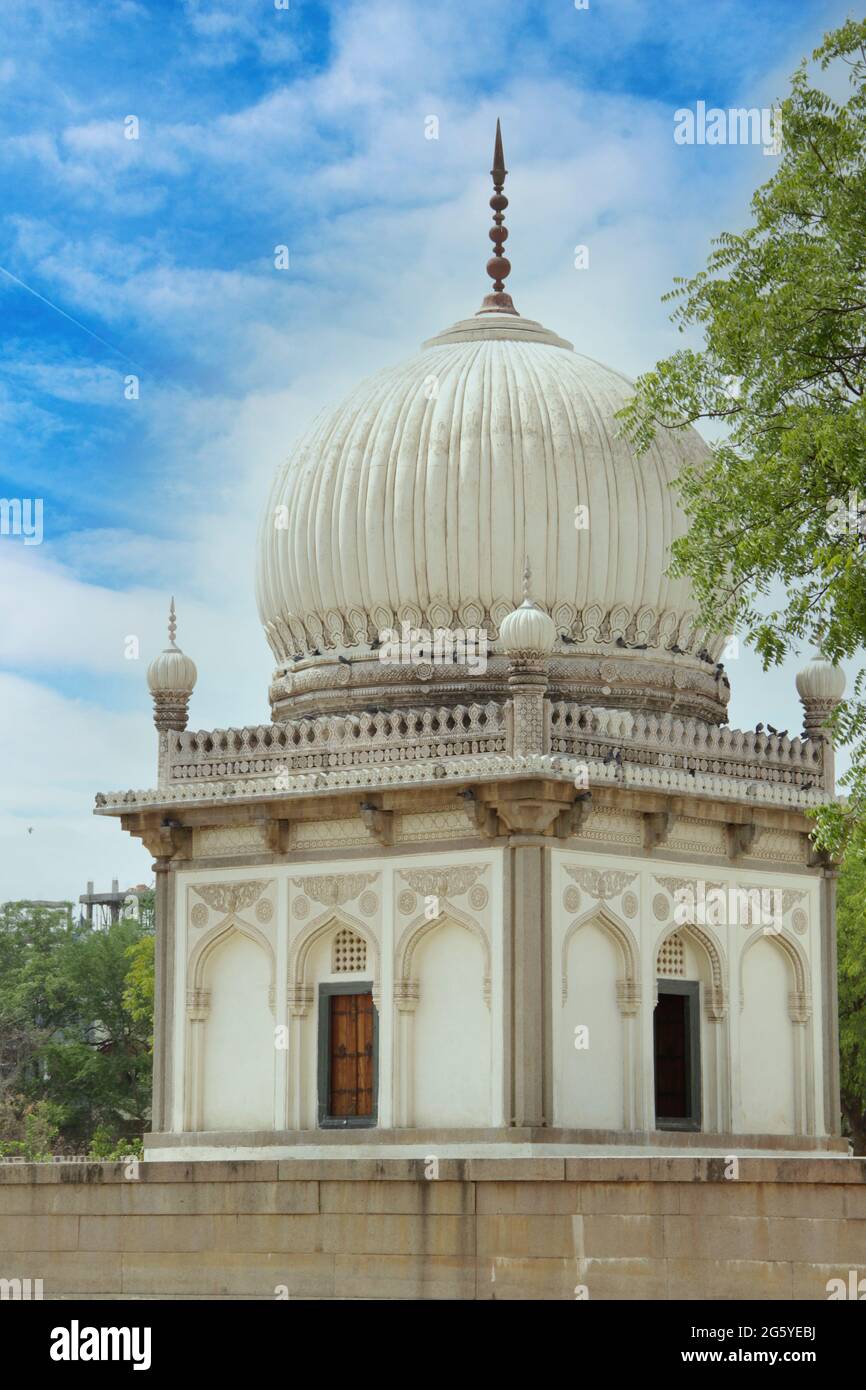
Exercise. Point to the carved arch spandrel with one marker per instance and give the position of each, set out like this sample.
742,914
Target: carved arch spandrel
716,997
330,920
800,997
628,985
405,982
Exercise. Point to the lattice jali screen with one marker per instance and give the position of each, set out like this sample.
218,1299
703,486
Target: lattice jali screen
350,952
672,956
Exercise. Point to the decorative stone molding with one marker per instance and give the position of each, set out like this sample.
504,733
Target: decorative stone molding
207,944
628,996
231,897
715,995
415,933
602,884
332,920
334,834
334,890
630,905
740,839
460,770
379,823
450,882
799,1007
299,999
628,986
220,840
197,1004
406,995
432,825
656,828
661,907
800,996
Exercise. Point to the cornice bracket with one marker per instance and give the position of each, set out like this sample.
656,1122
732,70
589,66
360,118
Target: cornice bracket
657,827
379,823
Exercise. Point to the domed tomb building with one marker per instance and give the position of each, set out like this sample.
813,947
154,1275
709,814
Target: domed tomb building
497,871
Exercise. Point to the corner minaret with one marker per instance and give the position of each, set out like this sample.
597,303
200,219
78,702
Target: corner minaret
498,267
171,677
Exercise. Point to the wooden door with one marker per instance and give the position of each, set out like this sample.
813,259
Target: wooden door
350,1052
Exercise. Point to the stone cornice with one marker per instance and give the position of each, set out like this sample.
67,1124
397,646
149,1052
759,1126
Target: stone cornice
461,770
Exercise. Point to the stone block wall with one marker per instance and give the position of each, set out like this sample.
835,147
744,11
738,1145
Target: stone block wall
549,1228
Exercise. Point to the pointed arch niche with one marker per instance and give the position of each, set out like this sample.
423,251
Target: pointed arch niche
598,1086
443,1043
703,960
776,1072
230,1058
311,964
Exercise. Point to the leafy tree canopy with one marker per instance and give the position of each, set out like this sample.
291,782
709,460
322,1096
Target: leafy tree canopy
781,505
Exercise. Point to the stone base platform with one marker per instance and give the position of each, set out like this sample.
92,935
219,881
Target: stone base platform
614,1227
474,1143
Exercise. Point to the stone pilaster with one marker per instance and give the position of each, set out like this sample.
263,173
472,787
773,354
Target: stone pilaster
527,681
163,996
529,909
830,1004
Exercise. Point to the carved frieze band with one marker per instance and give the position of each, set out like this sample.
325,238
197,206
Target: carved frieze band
231,897
335,890
601,884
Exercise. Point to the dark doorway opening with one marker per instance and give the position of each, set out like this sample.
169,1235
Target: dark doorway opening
676,1039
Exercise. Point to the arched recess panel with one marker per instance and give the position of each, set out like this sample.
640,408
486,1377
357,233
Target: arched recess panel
591,1080
451,1045
239,1037
767,1042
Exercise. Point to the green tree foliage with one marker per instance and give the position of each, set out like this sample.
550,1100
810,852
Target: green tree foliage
781,506
780,509
851,923
70,1042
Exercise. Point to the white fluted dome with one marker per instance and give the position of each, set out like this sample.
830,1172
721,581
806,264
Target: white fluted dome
527,629
172,671
821,681
418,498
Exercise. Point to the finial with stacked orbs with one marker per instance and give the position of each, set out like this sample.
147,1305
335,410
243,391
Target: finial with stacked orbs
171,677
821,686
499,266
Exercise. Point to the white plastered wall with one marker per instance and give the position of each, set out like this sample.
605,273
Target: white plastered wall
760,996
271,929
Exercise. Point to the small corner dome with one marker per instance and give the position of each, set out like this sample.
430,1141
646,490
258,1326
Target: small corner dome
527,629
821,680
172,671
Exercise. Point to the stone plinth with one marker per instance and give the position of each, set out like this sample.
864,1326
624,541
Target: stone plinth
510,1228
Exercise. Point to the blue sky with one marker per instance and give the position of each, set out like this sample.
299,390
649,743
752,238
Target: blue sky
303,127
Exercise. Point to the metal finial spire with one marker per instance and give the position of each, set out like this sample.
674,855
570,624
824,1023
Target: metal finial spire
498,267
172,622
527,579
